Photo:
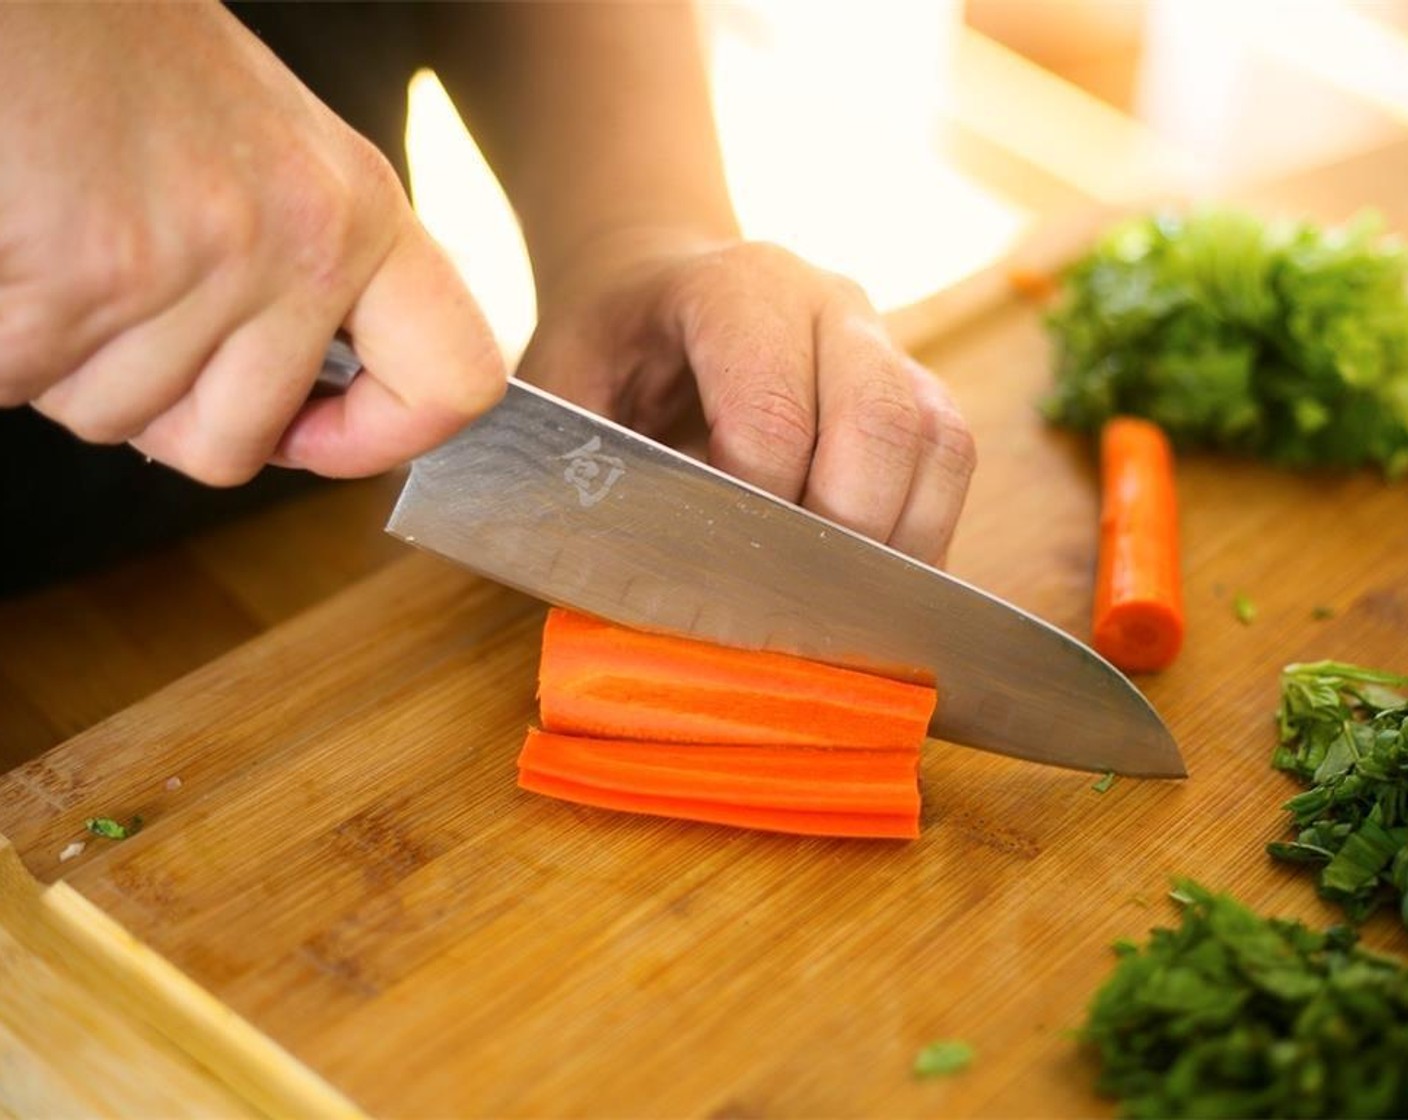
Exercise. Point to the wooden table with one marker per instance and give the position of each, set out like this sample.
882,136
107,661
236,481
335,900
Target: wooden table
335,849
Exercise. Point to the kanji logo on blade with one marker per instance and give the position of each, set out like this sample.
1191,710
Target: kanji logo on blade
592,471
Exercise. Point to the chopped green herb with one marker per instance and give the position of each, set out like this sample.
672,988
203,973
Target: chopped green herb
1279,340
1244,609
1344,734
1322,612
1104,782
940,1059
1236,1015
110,829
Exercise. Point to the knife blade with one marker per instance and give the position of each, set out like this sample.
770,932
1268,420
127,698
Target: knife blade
579,511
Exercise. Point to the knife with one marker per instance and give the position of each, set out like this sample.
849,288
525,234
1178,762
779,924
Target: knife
576,510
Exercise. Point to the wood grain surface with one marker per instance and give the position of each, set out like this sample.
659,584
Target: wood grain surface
347,863
94,1023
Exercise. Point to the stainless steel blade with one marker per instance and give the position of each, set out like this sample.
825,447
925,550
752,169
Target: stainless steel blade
573,509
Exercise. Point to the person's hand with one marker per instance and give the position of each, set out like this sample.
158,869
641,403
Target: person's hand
802,390
183,229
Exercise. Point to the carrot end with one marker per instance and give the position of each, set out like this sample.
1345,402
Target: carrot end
1139,637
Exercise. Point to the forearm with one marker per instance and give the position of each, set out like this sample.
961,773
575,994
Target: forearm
595,116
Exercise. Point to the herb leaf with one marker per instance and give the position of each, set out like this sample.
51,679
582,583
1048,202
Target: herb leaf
940,1059
1236,1015
110,829
1344,734
1279,340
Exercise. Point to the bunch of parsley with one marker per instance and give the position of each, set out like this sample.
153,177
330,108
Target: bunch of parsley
1344,733
1279,340
1235,1015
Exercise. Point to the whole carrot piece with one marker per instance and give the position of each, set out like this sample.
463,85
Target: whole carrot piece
1138,623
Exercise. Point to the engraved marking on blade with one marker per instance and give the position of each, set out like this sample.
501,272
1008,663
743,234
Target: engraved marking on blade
592,471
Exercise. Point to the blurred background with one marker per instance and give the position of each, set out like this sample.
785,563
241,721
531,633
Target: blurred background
910,143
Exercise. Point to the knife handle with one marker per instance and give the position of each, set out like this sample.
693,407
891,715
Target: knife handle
340,367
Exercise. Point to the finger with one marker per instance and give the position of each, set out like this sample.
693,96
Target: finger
101,283
431,364
230,422
947,458
121,389
868,438
753,363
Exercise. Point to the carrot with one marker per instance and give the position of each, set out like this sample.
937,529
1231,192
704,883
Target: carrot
803,779
1138,616
1032,283
610,682
851,823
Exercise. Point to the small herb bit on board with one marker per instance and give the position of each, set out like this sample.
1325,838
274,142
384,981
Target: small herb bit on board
1104,782
1244,608
110,829
1237,1015
1322,612
944,1058
1344,734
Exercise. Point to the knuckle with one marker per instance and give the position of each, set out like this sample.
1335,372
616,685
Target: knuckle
28,334
847,292
321,222
116,265
882,415
766,427
959,449
227,222
328,199
371,170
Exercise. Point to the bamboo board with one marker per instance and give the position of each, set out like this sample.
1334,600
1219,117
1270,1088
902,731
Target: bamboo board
347,864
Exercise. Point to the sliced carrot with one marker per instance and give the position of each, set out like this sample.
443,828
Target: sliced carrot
610,682
805,779
895,826
1138,617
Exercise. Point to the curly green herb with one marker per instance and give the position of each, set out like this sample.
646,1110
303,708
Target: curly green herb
1236,1015
1279,340
1344,733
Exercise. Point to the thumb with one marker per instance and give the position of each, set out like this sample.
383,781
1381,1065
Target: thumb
430,365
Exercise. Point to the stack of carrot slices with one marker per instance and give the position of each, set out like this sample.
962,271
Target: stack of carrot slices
646,723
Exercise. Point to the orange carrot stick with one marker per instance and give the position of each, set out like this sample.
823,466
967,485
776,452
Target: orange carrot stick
803,779
1138,617
611,682
895,826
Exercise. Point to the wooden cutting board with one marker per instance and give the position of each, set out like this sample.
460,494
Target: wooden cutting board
335,847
